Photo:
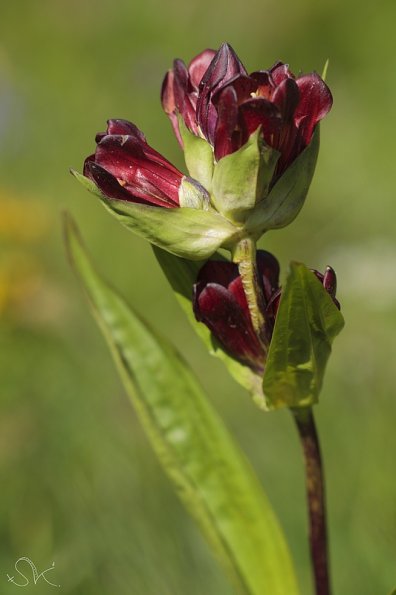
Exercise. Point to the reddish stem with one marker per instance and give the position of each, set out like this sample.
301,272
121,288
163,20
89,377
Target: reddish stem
314,477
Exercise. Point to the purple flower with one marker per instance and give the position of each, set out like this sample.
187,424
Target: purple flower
125,167
219,302
219,101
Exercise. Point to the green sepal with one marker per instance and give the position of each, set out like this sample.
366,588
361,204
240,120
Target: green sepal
187,232
287,197
192,195
306,324
203,462
241,179
198,155
87,183
181,275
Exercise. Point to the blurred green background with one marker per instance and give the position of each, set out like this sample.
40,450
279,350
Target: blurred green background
80,485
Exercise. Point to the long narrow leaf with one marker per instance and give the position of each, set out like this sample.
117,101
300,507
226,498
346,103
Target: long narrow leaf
211,475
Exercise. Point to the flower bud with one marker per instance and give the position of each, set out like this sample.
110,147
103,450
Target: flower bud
226,107
151,197
220,303
125,167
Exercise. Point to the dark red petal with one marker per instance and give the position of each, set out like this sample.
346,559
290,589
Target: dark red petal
219,310
225,273
199,65
264,83
168,103
286,96
224,66
236,288
184,101
107,183
261,112
227,120
121,127
167,94
279,72
180,83
221,272
330,281
139,166
127,146
273,305
268,270
315,102
243,86
152,194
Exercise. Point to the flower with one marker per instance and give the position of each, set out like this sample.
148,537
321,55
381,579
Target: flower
126,168
219,101
220,303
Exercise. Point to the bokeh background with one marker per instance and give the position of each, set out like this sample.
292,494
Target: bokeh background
79,483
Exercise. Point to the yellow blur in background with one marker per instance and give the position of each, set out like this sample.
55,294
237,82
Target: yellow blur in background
80,485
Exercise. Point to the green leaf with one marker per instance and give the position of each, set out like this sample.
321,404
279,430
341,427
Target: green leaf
241,179
181,275
198,155
190,233
306,324
287,197
211,475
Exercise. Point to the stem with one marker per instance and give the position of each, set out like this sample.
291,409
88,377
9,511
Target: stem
316,498
244,254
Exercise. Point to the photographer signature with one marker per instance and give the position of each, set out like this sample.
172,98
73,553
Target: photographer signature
35,574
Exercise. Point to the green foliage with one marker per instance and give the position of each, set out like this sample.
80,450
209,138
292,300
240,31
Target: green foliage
306,324
209,472
192,195
186,232
198,155
287,197
241,179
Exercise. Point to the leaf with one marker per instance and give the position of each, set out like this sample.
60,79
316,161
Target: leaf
186,232
242,178
181,275
287,197
306,324
211,475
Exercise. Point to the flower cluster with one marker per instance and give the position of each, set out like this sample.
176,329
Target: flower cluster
250,148
221,102
220,303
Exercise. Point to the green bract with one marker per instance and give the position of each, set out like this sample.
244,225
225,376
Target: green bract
287,197
241,179
306,324
198,155
193,195
187,232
